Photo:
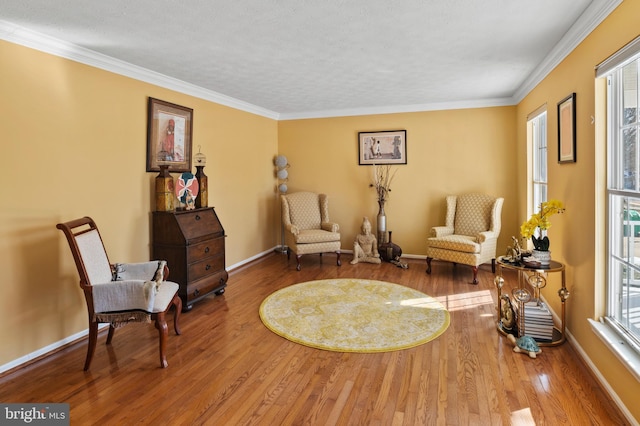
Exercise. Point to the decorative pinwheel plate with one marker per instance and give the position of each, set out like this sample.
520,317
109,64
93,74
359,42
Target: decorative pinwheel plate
186,187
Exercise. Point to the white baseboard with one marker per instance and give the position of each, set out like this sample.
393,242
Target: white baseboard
599,377
46,350
250,259
603,382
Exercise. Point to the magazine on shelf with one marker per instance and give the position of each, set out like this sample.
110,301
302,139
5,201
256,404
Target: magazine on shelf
538,321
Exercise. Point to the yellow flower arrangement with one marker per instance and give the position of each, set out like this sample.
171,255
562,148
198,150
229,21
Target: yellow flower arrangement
540,221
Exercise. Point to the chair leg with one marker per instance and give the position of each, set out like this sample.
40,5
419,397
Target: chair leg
163,331
177,305
475,274
93,338
298,256
493,266
429,264
112,329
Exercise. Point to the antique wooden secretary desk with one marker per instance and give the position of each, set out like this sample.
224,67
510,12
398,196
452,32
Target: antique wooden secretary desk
192,243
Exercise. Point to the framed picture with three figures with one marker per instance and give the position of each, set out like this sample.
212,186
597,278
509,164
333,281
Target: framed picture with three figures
383,147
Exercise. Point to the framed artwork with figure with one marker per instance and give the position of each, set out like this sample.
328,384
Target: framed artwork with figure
169,130
385,147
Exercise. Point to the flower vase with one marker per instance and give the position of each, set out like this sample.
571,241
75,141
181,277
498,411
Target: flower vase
542,256
382,224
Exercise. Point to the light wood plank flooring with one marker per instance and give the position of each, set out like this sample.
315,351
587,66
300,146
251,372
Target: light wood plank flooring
227,369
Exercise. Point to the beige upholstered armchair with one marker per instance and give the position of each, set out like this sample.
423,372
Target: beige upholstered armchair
121,293
307,229
470,234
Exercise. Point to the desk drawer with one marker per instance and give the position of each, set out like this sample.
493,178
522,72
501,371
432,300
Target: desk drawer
205,267
205,249
206,285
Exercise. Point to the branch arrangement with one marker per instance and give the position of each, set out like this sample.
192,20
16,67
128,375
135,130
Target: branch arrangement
382,178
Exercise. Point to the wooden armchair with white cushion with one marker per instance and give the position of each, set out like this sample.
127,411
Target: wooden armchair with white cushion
121,293
307,228
470,234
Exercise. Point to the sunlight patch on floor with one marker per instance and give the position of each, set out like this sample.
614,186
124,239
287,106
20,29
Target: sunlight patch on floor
472,299
522,417
422,302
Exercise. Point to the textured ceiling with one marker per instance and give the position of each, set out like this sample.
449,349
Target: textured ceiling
299,58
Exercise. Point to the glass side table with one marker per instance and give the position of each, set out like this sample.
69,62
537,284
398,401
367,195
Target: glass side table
530,281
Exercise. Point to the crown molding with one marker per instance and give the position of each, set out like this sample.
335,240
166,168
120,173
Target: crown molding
586,23
396,109
25,37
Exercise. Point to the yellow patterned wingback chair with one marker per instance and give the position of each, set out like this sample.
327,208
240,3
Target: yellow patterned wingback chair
470,234
307,228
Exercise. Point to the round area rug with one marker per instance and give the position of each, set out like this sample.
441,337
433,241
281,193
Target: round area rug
354,315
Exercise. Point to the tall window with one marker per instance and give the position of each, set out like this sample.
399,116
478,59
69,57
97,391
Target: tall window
538,134
623,198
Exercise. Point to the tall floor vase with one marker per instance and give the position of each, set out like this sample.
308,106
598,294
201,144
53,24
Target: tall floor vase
382,224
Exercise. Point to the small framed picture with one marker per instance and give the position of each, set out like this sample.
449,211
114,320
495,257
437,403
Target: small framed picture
385,147
169,130
567,129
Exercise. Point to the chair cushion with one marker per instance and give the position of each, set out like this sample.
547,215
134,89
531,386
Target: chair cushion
308,236
463,243
166,291
473,214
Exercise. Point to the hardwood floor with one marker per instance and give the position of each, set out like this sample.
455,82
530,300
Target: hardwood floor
227,369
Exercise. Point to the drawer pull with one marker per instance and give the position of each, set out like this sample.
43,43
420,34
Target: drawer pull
196,293
206,249
197,217
207,267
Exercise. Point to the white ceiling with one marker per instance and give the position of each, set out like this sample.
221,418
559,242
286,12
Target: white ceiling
296,58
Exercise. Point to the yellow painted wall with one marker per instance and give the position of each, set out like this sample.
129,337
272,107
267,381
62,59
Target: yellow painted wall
74,144
448,152
572,235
